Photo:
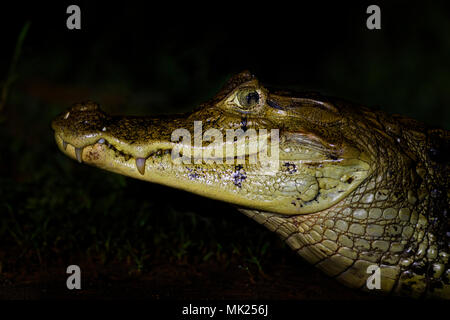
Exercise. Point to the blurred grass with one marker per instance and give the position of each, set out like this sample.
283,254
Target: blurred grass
52,208
12,76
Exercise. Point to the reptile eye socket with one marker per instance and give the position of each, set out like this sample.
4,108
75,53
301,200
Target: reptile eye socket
248,98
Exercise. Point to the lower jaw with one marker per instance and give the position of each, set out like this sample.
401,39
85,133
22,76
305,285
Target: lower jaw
158,170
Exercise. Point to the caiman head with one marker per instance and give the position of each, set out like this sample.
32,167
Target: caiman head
248,146
346,187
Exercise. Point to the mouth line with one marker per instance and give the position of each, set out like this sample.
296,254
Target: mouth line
139,161
158,152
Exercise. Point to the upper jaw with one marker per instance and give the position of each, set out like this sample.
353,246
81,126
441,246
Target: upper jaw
137,150
85,125
86,133
99,153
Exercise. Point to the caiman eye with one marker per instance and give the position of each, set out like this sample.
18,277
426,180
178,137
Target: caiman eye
248,98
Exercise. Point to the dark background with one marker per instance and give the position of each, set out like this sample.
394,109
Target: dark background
134,239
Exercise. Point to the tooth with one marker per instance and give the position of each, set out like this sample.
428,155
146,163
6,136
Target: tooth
64,145
140,164
101,140
78,153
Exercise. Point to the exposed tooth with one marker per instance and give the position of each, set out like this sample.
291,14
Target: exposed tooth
101,140
140,164
78,153
64,145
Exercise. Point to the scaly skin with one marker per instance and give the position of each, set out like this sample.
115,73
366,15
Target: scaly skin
354,187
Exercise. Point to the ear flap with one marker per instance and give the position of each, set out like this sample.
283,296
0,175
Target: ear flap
309,106
302,99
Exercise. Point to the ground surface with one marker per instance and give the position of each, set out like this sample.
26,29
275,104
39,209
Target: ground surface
289,280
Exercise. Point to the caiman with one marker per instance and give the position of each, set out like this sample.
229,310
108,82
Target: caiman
356,192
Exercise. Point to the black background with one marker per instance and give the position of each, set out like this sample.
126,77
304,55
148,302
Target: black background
187,50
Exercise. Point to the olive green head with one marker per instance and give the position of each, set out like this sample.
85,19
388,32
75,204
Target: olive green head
261,149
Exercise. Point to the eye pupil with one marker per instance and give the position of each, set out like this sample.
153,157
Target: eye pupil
248,98
252,98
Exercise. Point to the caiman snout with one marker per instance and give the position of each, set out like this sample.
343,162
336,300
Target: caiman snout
85,127
87,106
81,111
82,119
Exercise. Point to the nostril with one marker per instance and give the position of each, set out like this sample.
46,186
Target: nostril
85,106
